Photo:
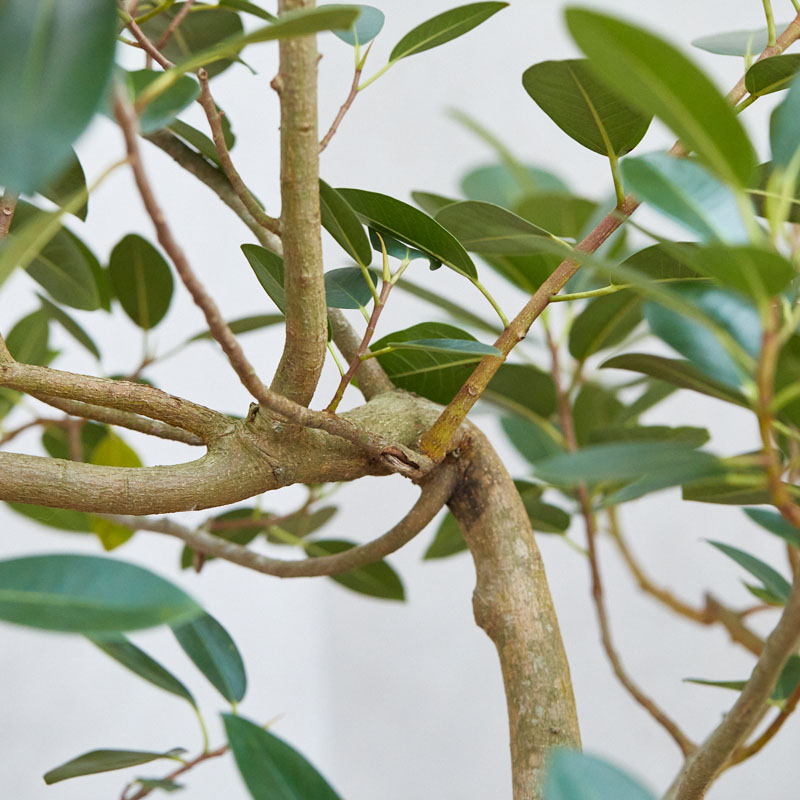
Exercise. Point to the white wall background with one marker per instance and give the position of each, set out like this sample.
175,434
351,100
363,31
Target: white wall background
390,701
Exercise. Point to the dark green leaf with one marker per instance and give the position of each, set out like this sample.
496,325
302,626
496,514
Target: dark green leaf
411,226
214,653
397,249
685,434
300,524
655,77
572,775
784,132
69,325
141,664
772,74
161,111
467,347
164,784
88,594
248,8
200,141
654,393
774,523
734,489
443,28
736,43
239,535
347,288
68,182
561,214
431,203
271,769
772,580
368,25
532,441
55,440
584,107
522,388
448,539
28,340
545,518
104,761
8,400
342,223
268,268
605,322
687,193
505,185
141,279
64,519
61,57
595,408
376,580
486,228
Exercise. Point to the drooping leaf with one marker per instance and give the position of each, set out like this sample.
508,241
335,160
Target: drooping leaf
368,25
60,55
69,325
771,74
268,268
784,135
375,580
773,522
105,761
28,340
342,223
605,322
347,288
572,775
161,111
522,388
411,226
735,43
88,594
687,193
69,180
530,440
137,661
271,769
771,579
215,654
443,28
584,107
655,77
141,279
505,185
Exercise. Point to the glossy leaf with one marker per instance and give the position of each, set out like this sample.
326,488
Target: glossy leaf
559,213
772,580
375,580
69,325
443,28
214,653
137,661
162,110
584,107
368,25
505,185
141,279
735,43
248,8
60,55
88,594
522,388
771,74
679,373
687,193
347,288
572,775
97,761
656,78
342,223
784,132
435,375
69,181
531,441
268,268
411,226
271,769
605,322
397,249
773,522
28,340
467,347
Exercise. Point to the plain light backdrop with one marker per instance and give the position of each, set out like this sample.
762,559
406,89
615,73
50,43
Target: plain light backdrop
390,701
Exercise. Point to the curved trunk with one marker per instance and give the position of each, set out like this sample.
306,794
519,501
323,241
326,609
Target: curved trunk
512,604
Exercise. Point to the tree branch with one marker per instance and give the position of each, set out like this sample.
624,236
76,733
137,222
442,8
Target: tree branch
345,107
8,204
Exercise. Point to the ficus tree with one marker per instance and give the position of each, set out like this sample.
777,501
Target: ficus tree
720,296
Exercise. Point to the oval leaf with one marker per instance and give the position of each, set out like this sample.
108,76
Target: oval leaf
772,74
162,110
522,388
736,43
572,775
268,268
348,288
342,223
368,25
105,761
605,322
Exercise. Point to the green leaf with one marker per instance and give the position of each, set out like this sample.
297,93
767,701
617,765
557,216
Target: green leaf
605,322
243,325
655,77
733,488
505,185
522,388
342,223
271,769
678,373
435,375
8,400
368,25
28,340
105,761
164,784
248,8
375,580
772,580
736,43
695,341
773,522
347,288
64,519
561,214
67,183
584,107
397,249
88,594
684,434
69,325
687,193
621,461
572,775
486,228
595,408
784,133
206,27
432,203
141,664
467,347
530,440
241,536
545,518
268,268
141,279
300,524
214,653
411,226
202,143
161,112
771,74
55,440
448,539
60,56
443,28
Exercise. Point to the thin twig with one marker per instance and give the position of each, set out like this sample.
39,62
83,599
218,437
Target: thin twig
568,428
345,107
148,46
215,123
8,204
43,421
173,26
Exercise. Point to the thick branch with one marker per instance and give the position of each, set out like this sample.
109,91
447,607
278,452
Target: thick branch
306,318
